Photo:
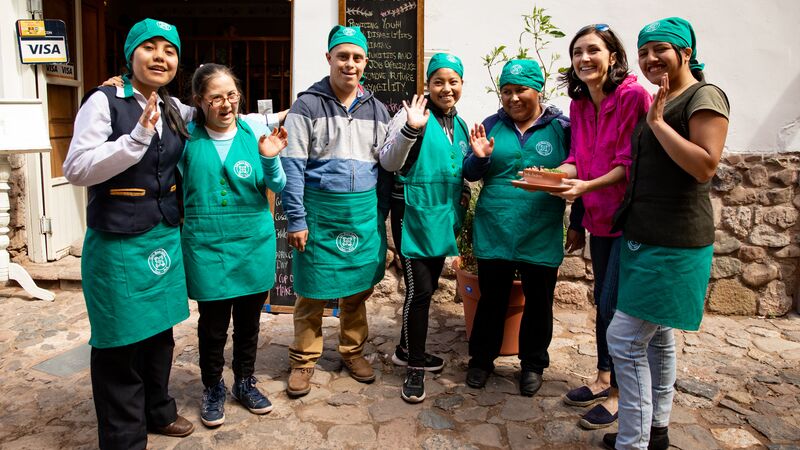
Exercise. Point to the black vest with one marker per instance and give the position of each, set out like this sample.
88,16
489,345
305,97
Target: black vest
663,204
137,199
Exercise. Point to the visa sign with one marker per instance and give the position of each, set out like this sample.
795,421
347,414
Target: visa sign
39,51
42,41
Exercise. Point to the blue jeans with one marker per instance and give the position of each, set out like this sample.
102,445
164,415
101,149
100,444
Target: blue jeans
644,360
605,264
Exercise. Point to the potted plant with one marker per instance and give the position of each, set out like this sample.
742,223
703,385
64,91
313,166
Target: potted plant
466,268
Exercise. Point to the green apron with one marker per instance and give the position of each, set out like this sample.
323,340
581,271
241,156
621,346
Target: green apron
134,285
228,234
514,224
664,285
346,249
433,212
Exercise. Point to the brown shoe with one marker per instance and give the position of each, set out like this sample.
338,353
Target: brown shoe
180,428
299,381
360,369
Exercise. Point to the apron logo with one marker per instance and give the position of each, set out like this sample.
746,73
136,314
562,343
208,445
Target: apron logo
634,246
544,148
346,242
464,147
652,27
159,262
242,169
164,26
348,31
516,69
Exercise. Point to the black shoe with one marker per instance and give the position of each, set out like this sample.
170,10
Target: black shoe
245,391
476,377
432,363
610,440
414,385
659,439
212,411
529,382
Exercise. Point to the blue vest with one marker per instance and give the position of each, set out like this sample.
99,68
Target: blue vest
137,199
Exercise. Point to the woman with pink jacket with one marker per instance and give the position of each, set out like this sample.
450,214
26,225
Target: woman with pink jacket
607,102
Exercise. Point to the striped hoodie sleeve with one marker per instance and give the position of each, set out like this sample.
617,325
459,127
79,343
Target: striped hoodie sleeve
294,159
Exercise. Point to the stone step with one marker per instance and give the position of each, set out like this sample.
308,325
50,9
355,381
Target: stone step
62,274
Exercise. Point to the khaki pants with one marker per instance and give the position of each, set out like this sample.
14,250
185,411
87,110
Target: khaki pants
353,330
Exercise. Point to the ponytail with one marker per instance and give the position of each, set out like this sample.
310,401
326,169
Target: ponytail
172,116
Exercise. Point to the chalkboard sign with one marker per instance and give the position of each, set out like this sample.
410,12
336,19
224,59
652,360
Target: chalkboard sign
394,31
282,297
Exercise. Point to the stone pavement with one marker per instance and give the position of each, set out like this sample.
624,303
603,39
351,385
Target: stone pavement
738,386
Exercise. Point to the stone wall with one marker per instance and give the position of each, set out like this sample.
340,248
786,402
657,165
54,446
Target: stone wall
754,272
18,248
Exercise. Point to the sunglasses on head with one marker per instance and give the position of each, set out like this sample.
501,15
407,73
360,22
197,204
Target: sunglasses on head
596,26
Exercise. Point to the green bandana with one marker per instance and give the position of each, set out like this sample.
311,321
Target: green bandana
675,31
445,61
524,72
341,34
148,29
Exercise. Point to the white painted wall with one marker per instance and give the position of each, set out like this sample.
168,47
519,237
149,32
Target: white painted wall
751,50
16,80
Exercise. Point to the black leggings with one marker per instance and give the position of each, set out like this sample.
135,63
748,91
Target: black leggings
212,333
421,277
495,278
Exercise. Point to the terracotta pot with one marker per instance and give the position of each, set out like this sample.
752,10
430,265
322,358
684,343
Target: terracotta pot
470,294
541,177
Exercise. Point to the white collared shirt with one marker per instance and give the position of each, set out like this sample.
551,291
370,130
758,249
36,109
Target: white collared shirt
92,159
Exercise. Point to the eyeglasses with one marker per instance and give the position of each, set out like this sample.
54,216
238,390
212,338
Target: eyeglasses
217,101
596,26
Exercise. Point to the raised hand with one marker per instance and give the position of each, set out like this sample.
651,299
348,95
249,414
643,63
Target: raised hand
416,112
656,112
270,146
481,146
151,113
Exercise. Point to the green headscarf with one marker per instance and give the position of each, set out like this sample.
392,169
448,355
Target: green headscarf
142,31
445,60
341,34
525,72
675,31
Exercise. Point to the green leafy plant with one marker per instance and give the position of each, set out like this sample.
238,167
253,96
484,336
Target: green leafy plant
464,239
537,34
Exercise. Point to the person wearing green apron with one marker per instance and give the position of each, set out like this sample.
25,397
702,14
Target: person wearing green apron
426,143
667,228
125,147
516,230
334,213
228,236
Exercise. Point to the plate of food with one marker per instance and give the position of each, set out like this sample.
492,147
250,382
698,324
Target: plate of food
541,179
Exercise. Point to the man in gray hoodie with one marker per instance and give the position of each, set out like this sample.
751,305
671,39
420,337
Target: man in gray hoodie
336,129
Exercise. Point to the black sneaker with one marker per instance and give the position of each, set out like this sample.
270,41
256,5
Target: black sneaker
414,385
432,363
246,392
212,411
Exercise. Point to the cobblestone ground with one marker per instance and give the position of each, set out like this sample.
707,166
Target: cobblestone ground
738,385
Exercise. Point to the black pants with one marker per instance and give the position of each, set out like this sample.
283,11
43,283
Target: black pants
605,264
495,278
130,390
212,332
421,277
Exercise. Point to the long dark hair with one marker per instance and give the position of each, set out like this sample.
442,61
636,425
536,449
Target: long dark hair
696,73
200,81
171,114
577,89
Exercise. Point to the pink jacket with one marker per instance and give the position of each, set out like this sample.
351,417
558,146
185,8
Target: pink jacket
599,146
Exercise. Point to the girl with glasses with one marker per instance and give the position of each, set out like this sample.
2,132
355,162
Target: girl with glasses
607,102
228,233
